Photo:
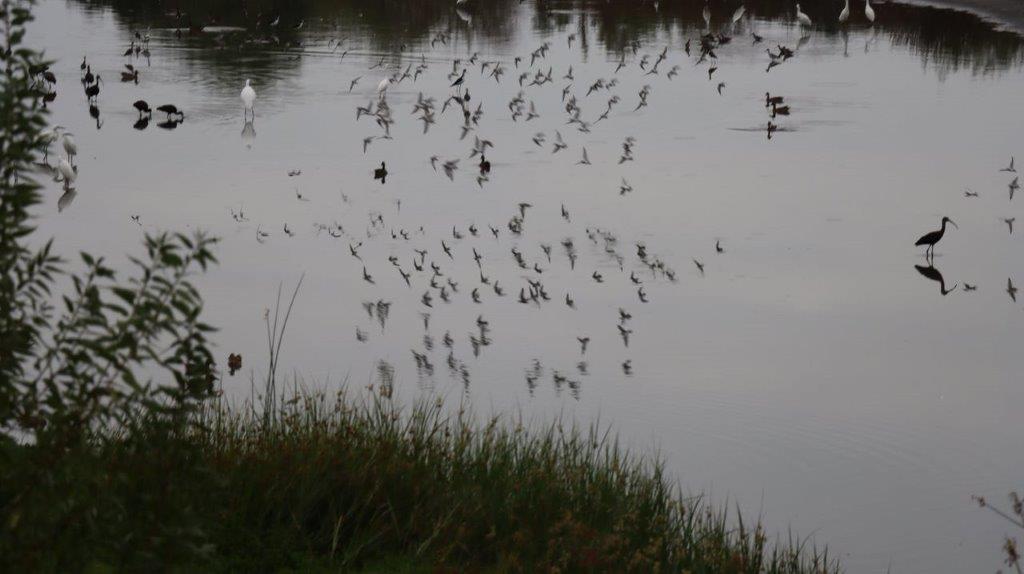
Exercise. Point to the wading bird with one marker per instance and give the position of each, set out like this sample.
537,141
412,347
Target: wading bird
802,18
930,239
248,96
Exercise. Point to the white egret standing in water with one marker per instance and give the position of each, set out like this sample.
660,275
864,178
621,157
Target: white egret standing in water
382,87
47,138
66,172
248,96
845,14
804,19
70,147
869,12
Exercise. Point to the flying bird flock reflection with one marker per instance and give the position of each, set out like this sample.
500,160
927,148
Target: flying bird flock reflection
510,266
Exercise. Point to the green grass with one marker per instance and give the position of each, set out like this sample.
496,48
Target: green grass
343,484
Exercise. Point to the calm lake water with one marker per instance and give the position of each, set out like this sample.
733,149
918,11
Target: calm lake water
812,374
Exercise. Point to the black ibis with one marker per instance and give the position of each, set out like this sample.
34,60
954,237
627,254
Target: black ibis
143,108
93,90
931,238
171,110
381,172
485,166
770,100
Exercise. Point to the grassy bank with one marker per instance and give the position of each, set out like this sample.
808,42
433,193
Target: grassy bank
343,484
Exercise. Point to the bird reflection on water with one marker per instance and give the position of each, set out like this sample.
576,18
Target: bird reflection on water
932,273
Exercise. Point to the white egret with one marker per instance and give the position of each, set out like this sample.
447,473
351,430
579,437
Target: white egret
248,96
738,13
869,12
382,87
845,14
706,14
804,19
67,173
70,147
47,138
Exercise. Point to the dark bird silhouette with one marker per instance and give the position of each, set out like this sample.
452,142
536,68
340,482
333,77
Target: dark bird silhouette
461,79
143,108
1011,290
171,110
770,100
584,341
932,273
381,173
930,239
93,90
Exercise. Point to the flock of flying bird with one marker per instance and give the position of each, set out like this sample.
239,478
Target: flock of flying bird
426,267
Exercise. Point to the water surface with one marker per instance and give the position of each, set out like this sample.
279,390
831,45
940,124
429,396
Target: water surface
812,373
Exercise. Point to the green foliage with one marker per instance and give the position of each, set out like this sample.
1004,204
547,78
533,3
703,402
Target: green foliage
77,365
76,370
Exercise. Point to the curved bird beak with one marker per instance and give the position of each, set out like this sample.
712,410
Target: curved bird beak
954,224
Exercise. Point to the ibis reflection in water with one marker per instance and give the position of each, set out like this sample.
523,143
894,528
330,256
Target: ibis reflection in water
932,273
